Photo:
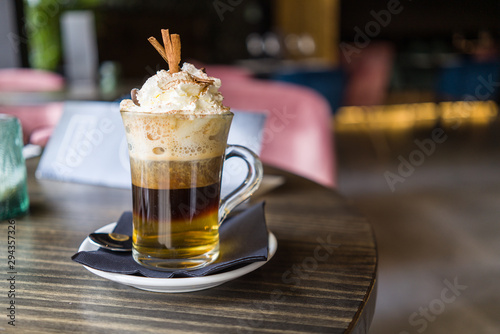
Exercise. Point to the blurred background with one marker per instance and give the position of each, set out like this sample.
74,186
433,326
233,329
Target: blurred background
408,89
402,51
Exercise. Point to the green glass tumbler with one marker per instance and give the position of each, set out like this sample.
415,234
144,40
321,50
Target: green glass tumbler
14,200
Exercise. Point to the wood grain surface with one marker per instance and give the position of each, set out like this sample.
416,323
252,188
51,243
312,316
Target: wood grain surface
322,278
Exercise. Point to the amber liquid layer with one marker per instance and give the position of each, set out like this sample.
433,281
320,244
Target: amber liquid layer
175,207
176,223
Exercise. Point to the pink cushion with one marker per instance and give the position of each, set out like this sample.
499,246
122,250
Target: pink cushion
34,118
29,80
38,121
41,136
228,73
297,136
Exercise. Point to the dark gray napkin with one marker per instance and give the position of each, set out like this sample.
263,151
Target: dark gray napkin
243,240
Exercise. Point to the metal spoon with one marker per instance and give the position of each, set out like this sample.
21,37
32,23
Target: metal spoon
112,241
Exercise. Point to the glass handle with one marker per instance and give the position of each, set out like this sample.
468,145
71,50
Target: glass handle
249,185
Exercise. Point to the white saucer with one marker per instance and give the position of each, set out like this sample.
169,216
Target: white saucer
171,285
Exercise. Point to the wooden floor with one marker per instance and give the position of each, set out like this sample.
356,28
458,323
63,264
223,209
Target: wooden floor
438,228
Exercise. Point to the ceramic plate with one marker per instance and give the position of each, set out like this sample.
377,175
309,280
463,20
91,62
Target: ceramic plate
172,285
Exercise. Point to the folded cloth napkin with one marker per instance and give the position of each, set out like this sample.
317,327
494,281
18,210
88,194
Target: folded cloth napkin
243,240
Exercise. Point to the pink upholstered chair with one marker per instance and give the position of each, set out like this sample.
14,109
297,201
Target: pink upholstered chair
228,73
39,120
369,74
297,136
28,80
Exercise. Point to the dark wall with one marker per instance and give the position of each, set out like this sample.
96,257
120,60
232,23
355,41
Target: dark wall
209,33
423,18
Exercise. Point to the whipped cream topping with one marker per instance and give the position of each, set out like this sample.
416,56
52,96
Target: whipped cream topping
190,91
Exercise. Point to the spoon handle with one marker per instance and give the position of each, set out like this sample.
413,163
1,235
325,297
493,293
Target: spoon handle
112,241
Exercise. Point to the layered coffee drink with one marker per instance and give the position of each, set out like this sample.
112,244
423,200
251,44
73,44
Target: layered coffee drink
177,129
176,163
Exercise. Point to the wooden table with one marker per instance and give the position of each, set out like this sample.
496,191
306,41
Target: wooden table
322,278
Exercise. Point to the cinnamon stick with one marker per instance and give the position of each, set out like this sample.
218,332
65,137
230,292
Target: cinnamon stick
176,47
158,47
172,45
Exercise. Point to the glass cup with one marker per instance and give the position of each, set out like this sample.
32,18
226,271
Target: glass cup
14,200
176,165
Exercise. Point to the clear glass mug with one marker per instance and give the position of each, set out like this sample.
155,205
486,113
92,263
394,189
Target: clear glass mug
176,165
14,200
